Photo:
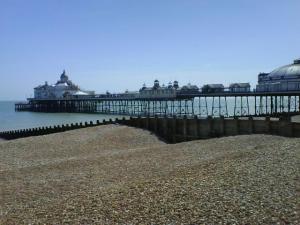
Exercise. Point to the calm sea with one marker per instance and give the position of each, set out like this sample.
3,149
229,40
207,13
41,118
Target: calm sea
11,120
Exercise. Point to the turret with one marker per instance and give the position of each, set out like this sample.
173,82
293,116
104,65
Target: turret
63,77
175,84
156,84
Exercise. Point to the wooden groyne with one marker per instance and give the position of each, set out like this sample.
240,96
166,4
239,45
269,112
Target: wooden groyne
14,134
173,129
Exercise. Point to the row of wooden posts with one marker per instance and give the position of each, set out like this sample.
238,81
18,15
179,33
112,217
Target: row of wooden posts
174,129
14,134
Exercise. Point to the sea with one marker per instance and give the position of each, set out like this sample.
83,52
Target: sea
11,120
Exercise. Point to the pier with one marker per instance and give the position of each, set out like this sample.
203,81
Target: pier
225,104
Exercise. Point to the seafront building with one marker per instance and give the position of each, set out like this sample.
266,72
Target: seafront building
212,88
239,87
169,91
63,88
158,91
285,78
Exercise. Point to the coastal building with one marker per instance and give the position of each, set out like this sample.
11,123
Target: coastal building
158,91
63,88
213,88
169,91
239,87
189,89
285,78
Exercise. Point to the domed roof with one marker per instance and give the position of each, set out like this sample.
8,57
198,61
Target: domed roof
63,76
288,70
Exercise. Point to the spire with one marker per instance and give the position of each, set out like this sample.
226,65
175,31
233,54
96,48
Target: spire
64,77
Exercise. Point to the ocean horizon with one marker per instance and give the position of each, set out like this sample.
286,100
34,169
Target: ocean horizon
11,120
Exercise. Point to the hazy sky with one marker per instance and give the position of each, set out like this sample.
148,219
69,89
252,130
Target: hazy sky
120,44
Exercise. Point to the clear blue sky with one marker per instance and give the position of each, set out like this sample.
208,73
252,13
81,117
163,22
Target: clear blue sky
120,44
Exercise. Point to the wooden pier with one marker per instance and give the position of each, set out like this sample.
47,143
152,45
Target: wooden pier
223,104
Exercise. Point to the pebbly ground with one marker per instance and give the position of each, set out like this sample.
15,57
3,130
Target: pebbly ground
121,175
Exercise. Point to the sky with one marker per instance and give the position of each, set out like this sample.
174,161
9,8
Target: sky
116,45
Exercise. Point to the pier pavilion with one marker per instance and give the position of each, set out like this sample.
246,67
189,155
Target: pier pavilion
285,78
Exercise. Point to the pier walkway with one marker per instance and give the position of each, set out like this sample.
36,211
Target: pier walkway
226,104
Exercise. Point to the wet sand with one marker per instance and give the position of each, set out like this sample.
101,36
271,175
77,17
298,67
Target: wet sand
120,175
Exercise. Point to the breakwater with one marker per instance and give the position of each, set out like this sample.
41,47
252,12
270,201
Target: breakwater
14,134
174,129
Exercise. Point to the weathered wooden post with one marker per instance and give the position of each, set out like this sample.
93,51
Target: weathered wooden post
221,129
211,132
268,124
165,128
174,129
196,128
251,125
147,122
286,127
236,125
184,128
155,122
138,122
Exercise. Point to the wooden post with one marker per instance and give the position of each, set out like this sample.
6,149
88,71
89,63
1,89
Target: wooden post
184,128
268,124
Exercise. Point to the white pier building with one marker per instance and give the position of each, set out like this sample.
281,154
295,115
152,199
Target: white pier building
64,88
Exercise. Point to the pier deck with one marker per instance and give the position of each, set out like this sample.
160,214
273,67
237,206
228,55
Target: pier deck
225,104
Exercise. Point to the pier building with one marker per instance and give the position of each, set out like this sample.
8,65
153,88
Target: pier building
169,91
285,78
213,88
239,87
157,91
63,88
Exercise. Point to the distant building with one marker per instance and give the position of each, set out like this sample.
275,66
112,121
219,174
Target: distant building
64,88
159,92
212,88
285,78
189,89
169,91
239,87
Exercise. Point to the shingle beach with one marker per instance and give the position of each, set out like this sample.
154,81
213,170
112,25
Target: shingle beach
120,175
